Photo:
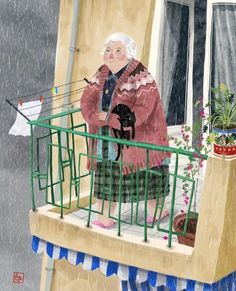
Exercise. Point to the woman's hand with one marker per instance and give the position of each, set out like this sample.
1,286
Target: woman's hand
101,116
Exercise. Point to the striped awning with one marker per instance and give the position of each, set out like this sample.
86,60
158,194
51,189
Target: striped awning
132,278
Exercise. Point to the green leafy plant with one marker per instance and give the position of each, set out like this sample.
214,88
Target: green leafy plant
223,106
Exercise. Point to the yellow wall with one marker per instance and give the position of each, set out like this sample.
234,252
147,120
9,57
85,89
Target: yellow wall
74,278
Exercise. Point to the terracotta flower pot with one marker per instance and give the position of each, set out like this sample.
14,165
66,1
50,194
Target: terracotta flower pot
226,151
189,238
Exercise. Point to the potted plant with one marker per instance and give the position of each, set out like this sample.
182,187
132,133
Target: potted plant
179,223
185,223
222,121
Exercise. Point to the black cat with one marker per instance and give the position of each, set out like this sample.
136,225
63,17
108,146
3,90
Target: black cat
127,119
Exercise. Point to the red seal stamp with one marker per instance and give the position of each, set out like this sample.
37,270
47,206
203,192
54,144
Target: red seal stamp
18,277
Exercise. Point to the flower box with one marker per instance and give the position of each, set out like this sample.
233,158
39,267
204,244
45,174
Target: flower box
226,151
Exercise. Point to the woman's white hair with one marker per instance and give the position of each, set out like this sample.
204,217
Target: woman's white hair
126,40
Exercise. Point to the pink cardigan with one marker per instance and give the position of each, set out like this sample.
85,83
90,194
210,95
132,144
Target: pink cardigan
137,89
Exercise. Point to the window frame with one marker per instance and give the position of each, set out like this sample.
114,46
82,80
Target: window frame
156,53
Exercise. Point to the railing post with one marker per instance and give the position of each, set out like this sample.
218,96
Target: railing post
145,195
91,184
51,165
59,170
120,194
173,201
32,165
73,148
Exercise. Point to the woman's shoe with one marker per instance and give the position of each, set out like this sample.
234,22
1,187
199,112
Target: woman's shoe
103,225
109,224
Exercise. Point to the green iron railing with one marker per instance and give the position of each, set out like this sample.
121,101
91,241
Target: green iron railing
67,158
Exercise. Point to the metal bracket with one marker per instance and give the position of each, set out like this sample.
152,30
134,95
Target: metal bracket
74,49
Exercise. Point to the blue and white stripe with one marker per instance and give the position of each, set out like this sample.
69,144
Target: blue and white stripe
132,278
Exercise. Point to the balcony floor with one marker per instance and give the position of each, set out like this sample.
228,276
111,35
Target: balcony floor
153,233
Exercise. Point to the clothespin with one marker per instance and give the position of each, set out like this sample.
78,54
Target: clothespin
41,98
54,90
20,102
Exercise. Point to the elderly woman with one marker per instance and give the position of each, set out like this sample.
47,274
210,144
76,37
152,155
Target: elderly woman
122,100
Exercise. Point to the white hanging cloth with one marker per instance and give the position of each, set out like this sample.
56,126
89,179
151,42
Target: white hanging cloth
31,110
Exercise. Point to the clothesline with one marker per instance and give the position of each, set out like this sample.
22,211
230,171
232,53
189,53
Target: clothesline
46,90
58,97
55,108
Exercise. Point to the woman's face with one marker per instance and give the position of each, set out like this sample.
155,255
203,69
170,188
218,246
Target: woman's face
115,54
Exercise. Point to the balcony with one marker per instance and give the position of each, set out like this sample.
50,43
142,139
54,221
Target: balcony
65,223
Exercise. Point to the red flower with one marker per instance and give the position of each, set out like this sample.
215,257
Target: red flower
195,155
189,167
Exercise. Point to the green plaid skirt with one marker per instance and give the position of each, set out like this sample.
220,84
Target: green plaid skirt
109,180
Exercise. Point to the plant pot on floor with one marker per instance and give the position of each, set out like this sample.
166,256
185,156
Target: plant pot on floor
189,238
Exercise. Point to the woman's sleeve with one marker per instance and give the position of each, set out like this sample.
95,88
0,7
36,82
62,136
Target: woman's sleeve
148,101
89,104
113,121
148,107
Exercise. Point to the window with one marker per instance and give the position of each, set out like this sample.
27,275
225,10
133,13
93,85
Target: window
171,58
220,58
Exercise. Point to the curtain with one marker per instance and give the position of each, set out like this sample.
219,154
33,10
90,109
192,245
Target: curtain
171,37
224,46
